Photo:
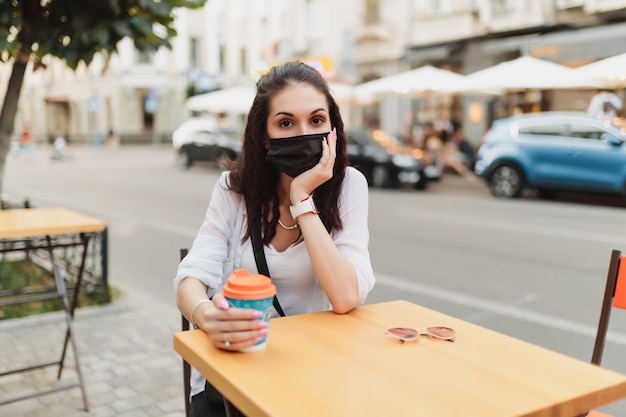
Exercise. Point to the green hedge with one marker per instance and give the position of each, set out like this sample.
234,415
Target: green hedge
23,278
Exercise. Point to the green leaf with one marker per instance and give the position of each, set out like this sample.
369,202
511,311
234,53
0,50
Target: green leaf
122,28
142,24
90,26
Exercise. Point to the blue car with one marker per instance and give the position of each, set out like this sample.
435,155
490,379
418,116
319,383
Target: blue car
550,152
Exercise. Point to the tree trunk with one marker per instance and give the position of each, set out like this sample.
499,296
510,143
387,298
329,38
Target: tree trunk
9,110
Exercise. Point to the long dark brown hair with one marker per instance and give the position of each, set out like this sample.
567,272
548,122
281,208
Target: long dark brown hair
257,180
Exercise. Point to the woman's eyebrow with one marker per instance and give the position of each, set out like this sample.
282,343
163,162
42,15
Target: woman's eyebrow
285,113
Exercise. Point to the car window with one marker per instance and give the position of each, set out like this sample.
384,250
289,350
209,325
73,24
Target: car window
361,138
552,129
583,131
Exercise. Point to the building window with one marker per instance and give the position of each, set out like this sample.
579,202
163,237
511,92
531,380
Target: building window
441,7
315,27
144,57
194,52
244,61
504,7
372,11
222,58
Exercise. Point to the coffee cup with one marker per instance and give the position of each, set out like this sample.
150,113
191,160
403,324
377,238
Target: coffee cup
255,291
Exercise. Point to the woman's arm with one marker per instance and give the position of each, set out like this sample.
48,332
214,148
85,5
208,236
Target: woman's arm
341,262
200,275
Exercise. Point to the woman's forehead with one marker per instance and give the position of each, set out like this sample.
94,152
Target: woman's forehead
296,98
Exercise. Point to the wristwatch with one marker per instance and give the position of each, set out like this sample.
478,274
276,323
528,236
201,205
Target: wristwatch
305,206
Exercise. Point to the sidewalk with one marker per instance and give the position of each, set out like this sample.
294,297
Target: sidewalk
125,350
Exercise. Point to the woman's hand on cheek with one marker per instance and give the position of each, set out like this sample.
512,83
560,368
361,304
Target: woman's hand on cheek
231,328
305,183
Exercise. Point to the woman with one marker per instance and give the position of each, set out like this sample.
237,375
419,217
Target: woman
292,181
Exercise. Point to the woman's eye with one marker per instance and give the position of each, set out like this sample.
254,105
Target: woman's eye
317,120
284,123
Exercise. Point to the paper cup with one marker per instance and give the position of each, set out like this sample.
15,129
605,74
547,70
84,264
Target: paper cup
255,291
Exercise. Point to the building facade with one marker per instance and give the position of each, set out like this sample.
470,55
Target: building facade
140,98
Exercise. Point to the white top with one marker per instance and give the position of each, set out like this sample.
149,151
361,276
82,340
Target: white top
217,250
597,106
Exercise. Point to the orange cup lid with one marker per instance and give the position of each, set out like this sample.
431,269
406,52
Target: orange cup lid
245,286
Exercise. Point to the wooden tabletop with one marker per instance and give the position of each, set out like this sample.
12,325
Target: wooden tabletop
21,223
322,364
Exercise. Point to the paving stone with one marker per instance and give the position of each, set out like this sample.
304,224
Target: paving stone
125,351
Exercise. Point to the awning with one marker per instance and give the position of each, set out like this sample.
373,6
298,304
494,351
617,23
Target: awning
588,43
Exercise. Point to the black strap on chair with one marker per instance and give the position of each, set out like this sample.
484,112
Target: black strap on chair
230,409
186,366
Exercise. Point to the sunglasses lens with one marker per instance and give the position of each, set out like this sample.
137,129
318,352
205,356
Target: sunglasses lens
403,333
441,332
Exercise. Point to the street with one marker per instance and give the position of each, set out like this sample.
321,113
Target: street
529,268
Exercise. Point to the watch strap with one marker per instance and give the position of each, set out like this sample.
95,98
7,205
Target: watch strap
305,206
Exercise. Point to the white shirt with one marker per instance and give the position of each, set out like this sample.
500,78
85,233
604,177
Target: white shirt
217,250
597,106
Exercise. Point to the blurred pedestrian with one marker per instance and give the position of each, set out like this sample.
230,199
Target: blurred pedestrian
294,191
25,140
605,105
59,148
464,147
458,155
112,139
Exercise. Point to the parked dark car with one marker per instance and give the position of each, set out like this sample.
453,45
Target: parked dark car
386,163
552,151
200,139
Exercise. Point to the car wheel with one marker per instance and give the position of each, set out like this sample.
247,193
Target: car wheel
506,181
421,182
380,177
184,161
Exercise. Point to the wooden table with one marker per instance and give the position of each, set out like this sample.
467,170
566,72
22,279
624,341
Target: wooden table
24,230
322,364
36,222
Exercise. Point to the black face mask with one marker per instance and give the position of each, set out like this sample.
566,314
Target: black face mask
297,154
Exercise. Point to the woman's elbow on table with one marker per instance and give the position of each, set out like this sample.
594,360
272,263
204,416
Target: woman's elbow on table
343,310
344,305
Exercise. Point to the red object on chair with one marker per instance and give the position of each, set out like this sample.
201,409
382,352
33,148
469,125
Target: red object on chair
619,300
614,296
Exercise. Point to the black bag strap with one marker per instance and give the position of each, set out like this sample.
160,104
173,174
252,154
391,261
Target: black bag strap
261,262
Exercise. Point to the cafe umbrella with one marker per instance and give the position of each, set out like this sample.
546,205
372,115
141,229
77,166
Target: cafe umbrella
523,73
608,72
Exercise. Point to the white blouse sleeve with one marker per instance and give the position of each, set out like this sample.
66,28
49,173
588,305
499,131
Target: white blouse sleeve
353,239
209,252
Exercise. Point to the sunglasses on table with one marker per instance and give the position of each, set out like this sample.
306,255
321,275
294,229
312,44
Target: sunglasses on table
405,334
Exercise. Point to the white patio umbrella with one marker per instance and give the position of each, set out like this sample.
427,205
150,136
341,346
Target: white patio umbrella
229,100
420,81
342,92
521,74
609,72
238,100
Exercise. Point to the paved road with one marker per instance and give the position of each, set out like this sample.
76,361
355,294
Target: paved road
528,268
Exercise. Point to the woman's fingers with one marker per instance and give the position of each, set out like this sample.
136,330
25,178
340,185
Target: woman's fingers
332,143
237,340
329,150
232,328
